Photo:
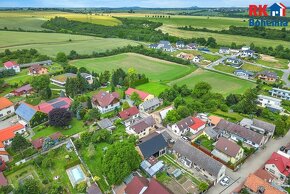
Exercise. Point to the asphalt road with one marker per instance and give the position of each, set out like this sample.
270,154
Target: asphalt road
252,164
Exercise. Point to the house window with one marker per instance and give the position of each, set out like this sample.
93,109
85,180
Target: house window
8,112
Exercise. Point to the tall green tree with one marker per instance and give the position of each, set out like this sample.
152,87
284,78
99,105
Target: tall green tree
30,186
19,143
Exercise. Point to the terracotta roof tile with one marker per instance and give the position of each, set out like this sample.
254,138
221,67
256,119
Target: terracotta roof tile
227,147
141,94
126,114
5,103
8,133
104,99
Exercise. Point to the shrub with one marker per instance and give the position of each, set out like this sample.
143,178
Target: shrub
81,187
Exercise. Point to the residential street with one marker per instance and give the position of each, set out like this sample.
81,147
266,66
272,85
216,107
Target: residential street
251,165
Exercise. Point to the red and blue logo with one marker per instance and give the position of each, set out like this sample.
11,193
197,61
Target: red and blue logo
276,10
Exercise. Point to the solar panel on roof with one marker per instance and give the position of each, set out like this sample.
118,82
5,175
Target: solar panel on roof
59,104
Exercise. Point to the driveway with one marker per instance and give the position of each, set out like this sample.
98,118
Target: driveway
252,164
8,122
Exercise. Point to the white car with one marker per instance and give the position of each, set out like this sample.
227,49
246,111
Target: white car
225,181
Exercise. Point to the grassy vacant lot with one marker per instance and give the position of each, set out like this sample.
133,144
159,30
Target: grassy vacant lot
32,20
224,39
19,77
155,69
276,63
153,88
220,83
42,131
52,43
224,68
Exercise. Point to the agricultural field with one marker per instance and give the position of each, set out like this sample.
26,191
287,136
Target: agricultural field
154,69
214,23
52,43
223,39
32,20
220,83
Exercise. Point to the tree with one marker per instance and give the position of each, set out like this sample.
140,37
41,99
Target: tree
19,143
92,115
45,93
40,82
201,89
136,98
91,150
125,105
101,135
172,117
59,117
179,101
61,58
202,186
248,104
30,186
233,99
119,161
183,111
81,187
89,103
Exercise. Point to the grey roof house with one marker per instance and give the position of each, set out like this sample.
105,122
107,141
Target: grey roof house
150,105
106,124
194,158
155,146
240,133
259,126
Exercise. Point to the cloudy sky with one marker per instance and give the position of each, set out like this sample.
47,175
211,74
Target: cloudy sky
130,3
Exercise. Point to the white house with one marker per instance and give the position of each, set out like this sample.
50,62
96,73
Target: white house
7,134
197,59
6,107
279,166
165,45
270,102
247,53
280,93
12,65
183,126
142,128
180,44
129,116
106,101
224,50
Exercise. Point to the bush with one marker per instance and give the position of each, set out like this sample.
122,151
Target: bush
81,187
72,164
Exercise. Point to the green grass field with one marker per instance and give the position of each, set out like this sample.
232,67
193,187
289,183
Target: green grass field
277,63
220,83
215,23
32,20
153,88
224,39
154,69
52,43
224,68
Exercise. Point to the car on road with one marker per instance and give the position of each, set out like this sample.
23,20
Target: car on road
225,181
185,138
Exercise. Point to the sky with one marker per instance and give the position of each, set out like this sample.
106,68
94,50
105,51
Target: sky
139,3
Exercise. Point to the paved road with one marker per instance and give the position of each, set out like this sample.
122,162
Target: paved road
285,77
251,165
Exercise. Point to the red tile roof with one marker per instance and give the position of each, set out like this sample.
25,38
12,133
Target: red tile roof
9,64
5,103
138,183
141,94
264,174
254,183
281,162
197,123
37,143
9,132
56,135
1,145
25,88
126,114
61,102
104,99
227,147
3,153
3,180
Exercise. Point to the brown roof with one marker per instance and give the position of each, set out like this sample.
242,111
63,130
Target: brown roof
240,131
126,114
36,68
214,119
227,147
185,123
104,99
264,174
138,183
37,143
255,184
56,135
143,124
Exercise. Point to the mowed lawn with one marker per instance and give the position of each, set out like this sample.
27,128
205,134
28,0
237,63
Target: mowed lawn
223,39
52,43
154,69
32,20
153,88
220,83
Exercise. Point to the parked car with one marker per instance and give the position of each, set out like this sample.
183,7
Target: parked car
185,138
282,148
225,181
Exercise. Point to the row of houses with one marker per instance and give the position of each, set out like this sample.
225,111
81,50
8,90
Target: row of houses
60,80
244,52
167,46
35,68
266,75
